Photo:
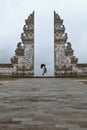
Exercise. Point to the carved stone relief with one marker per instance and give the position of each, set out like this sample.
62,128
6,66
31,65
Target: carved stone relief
64,60
23,61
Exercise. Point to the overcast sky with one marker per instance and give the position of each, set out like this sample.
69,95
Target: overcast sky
12,19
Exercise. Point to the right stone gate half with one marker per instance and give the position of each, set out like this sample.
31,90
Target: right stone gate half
65,63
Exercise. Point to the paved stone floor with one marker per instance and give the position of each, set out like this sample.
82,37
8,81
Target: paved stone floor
43,104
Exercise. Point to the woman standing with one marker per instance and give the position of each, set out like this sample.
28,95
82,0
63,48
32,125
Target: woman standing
44,69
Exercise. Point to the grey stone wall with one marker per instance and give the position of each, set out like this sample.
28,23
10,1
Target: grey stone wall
6,69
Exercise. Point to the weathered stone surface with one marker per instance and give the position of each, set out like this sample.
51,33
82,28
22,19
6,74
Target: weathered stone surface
23,61
43,104
20,50
65,62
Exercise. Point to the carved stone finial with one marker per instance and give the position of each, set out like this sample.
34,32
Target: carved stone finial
68,49
19,51
74,60
30,19
14,60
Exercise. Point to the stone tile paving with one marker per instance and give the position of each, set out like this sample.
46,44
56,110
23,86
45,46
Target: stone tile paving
43,104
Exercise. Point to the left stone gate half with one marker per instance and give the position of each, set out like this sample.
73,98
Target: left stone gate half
23,61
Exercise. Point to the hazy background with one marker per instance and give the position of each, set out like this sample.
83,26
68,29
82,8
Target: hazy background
12,19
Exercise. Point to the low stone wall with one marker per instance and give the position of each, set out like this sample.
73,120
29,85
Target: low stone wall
6,69
82,69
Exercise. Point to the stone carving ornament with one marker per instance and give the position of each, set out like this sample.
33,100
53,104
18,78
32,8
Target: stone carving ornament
64,59
26,61
61,59
25,54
